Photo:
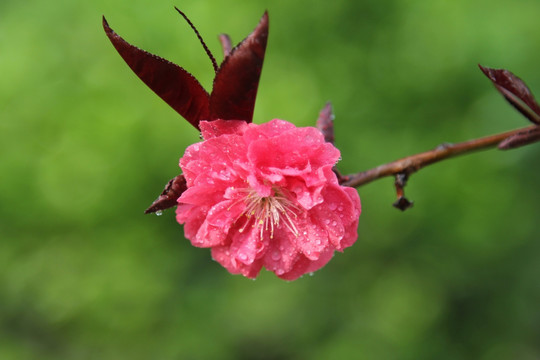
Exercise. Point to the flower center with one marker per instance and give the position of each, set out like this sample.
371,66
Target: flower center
269,212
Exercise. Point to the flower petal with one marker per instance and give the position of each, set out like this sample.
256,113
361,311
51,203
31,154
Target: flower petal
266,195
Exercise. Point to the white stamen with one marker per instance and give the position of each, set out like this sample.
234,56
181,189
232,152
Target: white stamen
267,213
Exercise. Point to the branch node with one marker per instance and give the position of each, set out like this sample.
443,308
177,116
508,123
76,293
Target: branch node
402,203
444,146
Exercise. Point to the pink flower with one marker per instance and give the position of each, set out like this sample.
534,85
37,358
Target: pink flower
266,195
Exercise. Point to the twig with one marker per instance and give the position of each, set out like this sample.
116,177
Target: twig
413,163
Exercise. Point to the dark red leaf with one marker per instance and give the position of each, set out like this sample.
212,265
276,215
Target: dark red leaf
174,188
325,123
520,139
169,81
515,92
235,86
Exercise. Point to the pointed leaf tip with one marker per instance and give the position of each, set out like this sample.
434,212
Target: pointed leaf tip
168,198
325,122
236,83
515,91
173,84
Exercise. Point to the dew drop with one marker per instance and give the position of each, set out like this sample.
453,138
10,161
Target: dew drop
340,208
327,221
332,206
334,223
276,255
159,213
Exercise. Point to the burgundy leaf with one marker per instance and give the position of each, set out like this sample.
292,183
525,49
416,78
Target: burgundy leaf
515,92
235,86
325,123
169,81
174,188
520,139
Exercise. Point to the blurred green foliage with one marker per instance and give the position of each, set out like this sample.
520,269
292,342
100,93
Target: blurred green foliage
85,148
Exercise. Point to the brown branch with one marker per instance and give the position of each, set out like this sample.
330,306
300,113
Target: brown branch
413,163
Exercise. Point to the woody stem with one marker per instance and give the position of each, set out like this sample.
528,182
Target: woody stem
413,163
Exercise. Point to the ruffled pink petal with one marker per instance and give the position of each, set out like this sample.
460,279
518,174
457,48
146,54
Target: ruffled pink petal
282,253
243,255
201,196
217,128
351,233
223,256
305,196
306,266
219,219
294,150
338,211
192,217
312,238
270,129
240,165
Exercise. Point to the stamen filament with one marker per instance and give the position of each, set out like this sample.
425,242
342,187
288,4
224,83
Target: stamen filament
268,213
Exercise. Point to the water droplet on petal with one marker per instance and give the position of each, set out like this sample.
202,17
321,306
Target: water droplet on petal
332,206
159,213
276,255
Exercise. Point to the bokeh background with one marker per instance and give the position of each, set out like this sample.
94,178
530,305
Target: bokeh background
85,147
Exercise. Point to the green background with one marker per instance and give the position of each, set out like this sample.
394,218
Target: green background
85,147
